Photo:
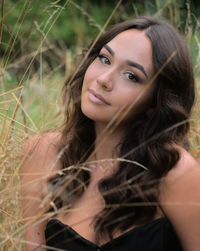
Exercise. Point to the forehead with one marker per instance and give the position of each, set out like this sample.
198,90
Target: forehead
133,45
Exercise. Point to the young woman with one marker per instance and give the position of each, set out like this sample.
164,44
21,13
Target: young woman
119,175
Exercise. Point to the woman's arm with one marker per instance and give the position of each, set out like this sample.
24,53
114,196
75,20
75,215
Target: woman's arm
180,200
38,164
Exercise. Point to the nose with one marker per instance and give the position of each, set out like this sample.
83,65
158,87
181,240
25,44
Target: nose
105,80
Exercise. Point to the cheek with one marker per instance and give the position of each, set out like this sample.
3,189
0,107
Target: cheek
85,81
89,75
139,102
131,98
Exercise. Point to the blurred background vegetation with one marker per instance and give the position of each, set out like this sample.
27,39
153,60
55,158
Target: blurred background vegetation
38,42
70,25
40,38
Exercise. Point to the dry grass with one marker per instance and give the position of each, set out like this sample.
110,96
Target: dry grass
25,111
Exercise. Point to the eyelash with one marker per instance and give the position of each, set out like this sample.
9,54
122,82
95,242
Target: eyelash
135,80
101,57
135,77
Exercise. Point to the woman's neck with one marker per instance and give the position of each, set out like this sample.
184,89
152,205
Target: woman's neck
105,152
107,141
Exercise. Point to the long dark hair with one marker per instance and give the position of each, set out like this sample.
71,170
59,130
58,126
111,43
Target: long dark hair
131,193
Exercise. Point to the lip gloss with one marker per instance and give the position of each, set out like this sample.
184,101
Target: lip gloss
95,99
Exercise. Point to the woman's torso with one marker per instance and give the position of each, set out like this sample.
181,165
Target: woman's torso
74,226
155,236
74,230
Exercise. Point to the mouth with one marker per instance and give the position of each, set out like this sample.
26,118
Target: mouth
97,98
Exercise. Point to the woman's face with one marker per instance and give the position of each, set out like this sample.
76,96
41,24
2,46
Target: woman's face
119,78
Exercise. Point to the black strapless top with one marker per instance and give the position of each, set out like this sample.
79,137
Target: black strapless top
158,235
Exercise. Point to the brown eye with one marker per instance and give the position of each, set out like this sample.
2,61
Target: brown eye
103,59
132,77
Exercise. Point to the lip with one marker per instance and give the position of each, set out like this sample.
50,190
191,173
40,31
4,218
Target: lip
97,98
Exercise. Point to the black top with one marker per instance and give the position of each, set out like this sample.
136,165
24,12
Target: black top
155,236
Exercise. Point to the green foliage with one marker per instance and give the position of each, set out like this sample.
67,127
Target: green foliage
26,23
39,36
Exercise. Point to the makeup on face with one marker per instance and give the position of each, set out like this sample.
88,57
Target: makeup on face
119,77
128,62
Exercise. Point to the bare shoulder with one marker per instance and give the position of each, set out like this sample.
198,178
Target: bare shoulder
183,171
180,199
40,161
41,141
40,151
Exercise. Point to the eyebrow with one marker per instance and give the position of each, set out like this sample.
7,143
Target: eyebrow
129,62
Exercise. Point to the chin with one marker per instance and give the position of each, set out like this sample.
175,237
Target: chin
94,115
89,112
